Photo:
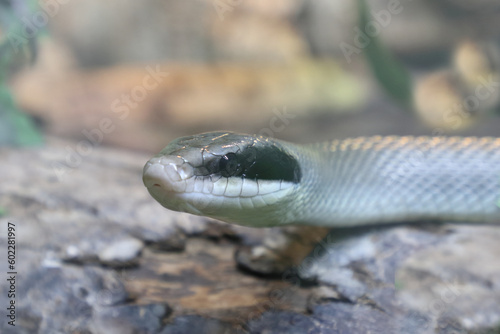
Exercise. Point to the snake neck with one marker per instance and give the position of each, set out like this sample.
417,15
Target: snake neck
377,180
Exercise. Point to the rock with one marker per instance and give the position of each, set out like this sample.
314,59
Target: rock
279,249
441,275
200,325
131,319
175,242
261,261
64,299
284,322
460,286
337,318
108,244
159,227
324,295
121,253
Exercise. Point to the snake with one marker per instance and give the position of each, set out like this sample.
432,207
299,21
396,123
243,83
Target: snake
259,181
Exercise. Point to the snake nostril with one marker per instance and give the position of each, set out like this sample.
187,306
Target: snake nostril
156,185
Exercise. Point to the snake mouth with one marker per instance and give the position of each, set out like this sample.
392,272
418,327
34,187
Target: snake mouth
171,181
165,179
167,172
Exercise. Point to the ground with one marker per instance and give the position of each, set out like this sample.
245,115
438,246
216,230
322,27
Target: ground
96,254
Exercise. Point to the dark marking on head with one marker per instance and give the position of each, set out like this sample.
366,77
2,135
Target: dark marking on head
261,162
227,154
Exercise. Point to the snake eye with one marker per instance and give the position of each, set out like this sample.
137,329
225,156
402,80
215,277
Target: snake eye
229,165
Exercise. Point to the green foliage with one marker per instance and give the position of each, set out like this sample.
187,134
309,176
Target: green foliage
388,71
16,128
17,48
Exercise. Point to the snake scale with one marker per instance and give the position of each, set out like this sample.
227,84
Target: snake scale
257,181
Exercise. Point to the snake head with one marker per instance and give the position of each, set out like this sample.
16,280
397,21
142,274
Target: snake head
242,179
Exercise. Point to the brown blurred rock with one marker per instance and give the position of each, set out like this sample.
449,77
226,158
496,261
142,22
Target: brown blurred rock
144,107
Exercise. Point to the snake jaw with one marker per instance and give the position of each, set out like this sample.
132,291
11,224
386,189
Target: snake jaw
174,184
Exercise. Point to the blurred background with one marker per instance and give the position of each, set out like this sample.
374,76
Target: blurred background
153,70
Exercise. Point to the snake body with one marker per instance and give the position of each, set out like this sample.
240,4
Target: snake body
258,181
